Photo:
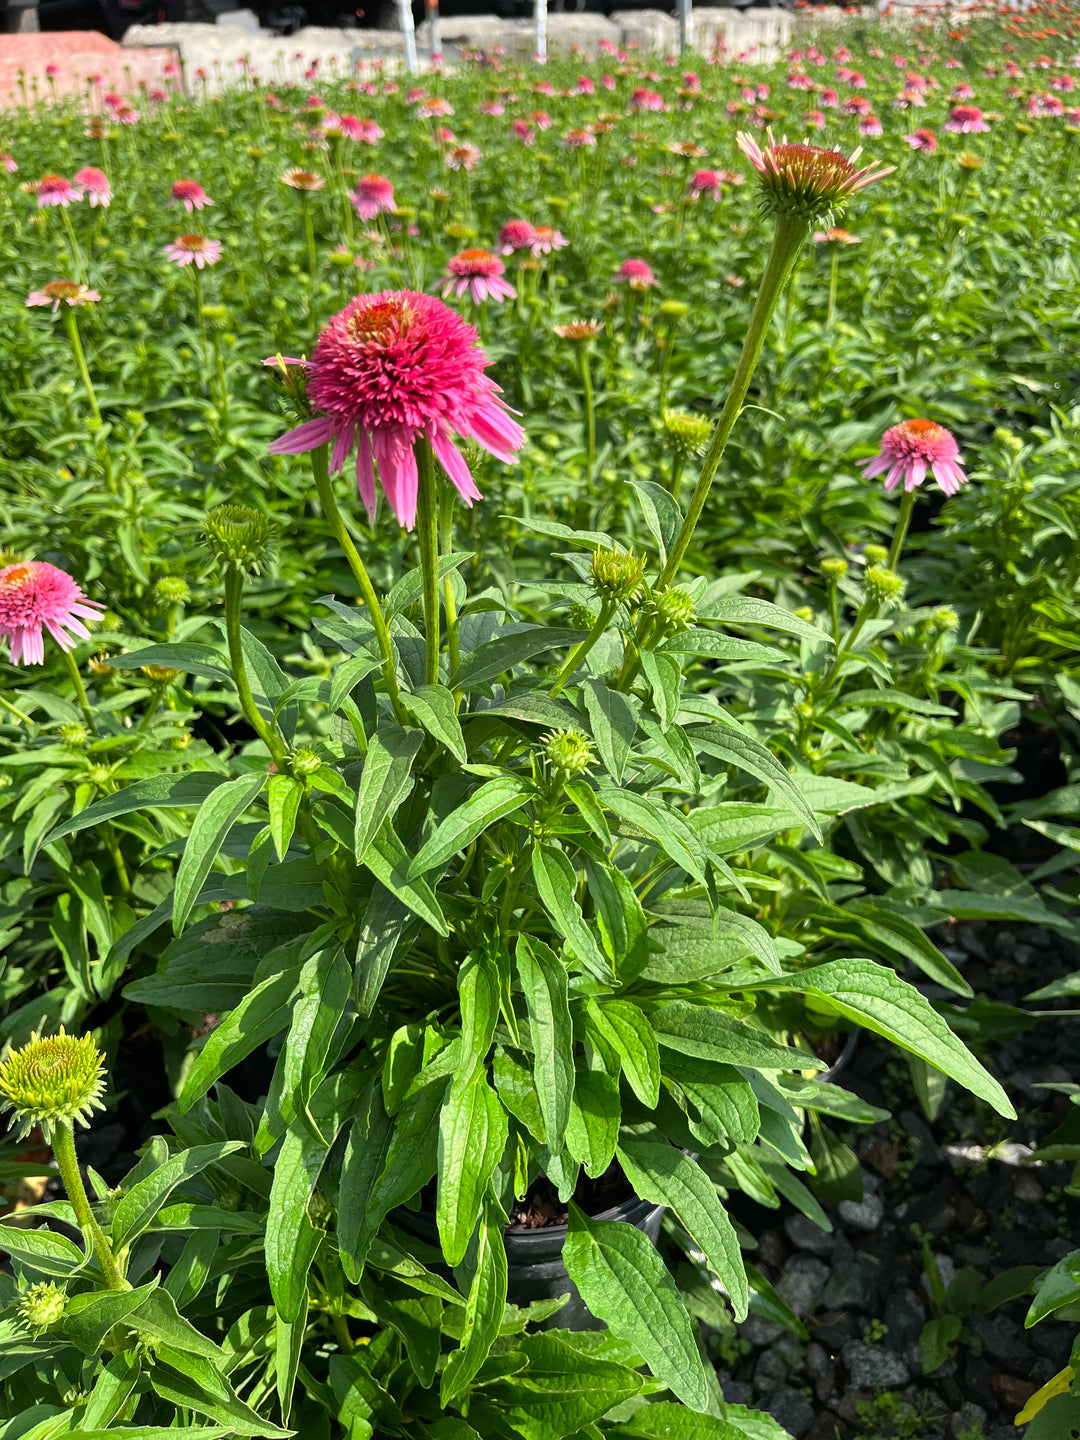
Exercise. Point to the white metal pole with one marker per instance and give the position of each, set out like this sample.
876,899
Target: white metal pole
436,31
540,11
685,12
408,33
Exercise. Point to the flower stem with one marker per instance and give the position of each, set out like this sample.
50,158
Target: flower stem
834,280
71,325
63,1144
427,535
787,242
14,711
325,491
907,505
80,691
446,545
309,231
590,418
76,249
234,592
579,652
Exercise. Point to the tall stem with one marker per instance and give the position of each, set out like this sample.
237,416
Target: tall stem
309,231
14,711
325,490
903,520
71,325
579,652
80,691
590,418
427,534
446,545
834,280
63,1144
790,234
76,249
234,594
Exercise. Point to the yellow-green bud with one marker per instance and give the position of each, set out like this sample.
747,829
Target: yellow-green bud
42,1305
875,554
675,608
617,574
804,710
804,612
944,619
883,586
75,735
50,1079
216,316
230,1200
304,762
239,537
160,674
674,310
833,567
687,434
568,752
581,617
172,590
1008,441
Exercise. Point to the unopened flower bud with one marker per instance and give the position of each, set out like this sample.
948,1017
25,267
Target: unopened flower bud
42,1305
804,612
568,752
216,316
159,674
875,554
99,775
675,608
230,1199
944,619
804,710
1008,441
75,735
581,617
52,1078
883,586
687,434
99,665
239,537
172,590
304,762
617,574
674,310
833,567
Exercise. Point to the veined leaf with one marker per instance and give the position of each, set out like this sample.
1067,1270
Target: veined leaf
385,781
433,707
472,1138
216,816
544,982
491,802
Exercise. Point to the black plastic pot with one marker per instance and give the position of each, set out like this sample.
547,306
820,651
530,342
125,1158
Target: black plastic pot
843,1060
534,1258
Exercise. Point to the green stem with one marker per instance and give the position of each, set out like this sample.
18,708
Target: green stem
71,325
76,249
14,711
907,505
787,242
309,231
842,654
325,492
677,463
80,691
834,280
590,418
234,593
63,1144
427,535
578,654
446,546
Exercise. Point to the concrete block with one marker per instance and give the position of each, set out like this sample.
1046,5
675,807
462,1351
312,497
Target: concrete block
647,29
245,20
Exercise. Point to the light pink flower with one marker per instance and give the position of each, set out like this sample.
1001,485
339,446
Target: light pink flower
523,131
545,240
963,91
585,86
68,292
373,194
36,596
829,99
922,140
814,119
479,274
910,449
190,194
366,131
643,99
194,250
835,236
56,190
387,370
541,119
515,235
869,124
96,184
578,139
809,172
463,157
7,162
306,180
705,182
965,120
434,108
635,273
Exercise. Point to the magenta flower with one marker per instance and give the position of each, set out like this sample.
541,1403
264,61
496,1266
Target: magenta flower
541,119
515,235
56,190
194,250
966,120
578,139
545,240
922,140
96,184
805,177
387,370
365,131
963,91
190,194
434,108
66,292
479,274
373,193
705,182
643,99
585,85
7,162
36,596
463,157
635,273
523,131
829,98
911,448
869,124
814,119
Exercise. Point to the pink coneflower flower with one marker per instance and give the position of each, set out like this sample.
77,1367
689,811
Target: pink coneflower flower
814,119
806,176
463,157
306,180
543,87
541,119
194,250
910,449
373,194
67,292
1063,82
7,162
922,140
515,235
869,124
856,105
578,139
579,331
128,116
36,596
445,136
963,91
643,99
479,274
691,81
907,98
965,120
705,182
492,107
390,369
545,240
835,236
56,190
190,194
585,86
434,108
523,131
365,131
635,273
96,184
799,80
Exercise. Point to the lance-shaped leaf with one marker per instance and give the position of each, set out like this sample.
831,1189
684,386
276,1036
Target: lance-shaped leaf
216,816
491,802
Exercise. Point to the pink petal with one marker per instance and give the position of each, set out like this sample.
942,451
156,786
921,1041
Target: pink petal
453,462
397,472
308,436
343,443
365,473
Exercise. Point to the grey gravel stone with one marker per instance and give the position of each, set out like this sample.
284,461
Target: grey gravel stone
919,1131
1004,1342
769,1372
946,1269
791,1409
736,1393
802,1283
1058,1247
771,1248
968,1415
760,1331
871,1367
853,1285
805,1235
862,1215
821,1369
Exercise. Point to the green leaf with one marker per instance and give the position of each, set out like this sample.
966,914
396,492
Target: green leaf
614,724
472,1137
283,801
324,990
389,861
385,925
89,1317
592,1127
216,816
713,1035
556,884
720,1105
495,657
139,1206
386,779
664,1420
365,1158
478,995
188,1388
43,1250
737,748
665,679
623,1026
260,1015
745,610
666,827
544,983
937,1335
160,792
483,1309
889,699
1059,1286
624,1282
159,1318
484,806
201,660
434,707
665,1176
882,926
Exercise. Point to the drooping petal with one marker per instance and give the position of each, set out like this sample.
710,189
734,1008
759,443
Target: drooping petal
308,436
493,427
365,473
343,444
453,462
397,472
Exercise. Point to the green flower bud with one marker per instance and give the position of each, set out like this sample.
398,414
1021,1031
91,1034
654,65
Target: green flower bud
239,537
804,710
804,612
617,574
230,1200
160,674
342,259
568,752
1008,441
875,554
883,586
833,567
172,590
99,775
581,617
944,619
50,1079
216,316
687,434
674,310
42,1305
75,735
675,608
304,762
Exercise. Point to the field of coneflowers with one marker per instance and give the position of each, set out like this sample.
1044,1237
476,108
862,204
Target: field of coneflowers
537,603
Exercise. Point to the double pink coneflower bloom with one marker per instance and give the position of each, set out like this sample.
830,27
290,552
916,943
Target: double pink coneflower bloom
912,448
36,596
478,274
391,369
56,190
373,194
96,184
190,194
